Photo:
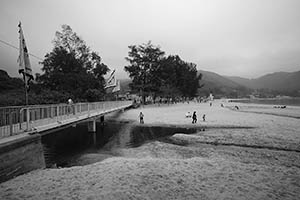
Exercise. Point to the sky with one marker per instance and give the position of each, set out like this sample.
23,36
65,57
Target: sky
247,38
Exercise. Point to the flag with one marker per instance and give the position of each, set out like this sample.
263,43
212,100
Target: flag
117,88
111,81
23,60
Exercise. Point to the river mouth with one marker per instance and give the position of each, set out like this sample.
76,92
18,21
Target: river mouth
75,146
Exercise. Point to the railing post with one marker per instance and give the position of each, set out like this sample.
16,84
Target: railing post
57,112
10,123
27,118
21,119
42,113
52,112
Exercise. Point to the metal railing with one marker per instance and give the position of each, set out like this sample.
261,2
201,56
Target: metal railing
18,119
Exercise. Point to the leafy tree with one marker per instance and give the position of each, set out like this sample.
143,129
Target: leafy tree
179,76
152,72
169,76
71,67
144,61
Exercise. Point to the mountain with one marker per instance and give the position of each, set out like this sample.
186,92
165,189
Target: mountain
8,83
279,81
220,85
211,79
124,85
241,81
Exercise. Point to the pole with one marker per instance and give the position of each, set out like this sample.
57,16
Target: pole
26,103
26,96
25,89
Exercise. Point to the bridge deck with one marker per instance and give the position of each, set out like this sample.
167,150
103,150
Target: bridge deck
16,120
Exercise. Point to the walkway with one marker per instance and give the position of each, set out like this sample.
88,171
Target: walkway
40,118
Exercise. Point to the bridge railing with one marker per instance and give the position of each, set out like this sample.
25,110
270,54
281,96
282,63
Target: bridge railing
18,119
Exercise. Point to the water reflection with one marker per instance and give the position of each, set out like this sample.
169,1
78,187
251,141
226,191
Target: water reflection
62,147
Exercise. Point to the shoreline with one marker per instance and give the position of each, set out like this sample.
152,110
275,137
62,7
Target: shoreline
282,101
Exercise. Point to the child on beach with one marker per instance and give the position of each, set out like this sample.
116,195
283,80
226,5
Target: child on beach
188,115
141,118
194,118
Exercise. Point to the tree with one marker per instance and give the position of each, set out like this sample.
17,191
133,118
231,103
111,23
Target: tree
71,67
178,76
152,72
144,61
169,76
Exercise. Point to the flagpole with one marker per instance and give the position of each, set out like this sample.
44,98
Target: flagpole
25,89
26,94
25,69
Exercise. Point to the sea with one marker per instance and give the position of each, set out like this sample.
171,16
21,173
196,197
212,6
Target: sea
271,101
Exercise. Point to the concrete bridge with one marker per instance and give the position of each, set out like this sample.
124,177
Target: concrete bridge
46,118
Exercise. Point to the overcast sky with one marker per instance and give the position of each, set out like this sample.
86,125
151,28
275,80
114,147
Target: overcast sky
247,38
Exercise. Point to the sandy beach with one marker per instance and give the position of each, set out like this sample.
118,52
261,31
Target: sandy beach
249,153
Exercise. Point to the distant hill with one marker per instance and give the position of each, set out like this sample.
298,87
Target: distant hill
211,79
279,81
220,85
124,85
11,90
8,83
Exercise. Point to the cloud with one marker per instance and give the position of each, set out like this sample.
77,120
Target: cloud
243,38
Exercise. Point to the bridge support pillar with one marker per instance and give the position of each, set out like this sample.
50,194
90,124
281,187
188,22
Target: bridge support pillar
102,120
92,126
92,129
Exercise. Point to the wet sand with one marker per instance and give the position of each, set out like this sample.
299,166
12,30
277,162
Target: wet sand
219,163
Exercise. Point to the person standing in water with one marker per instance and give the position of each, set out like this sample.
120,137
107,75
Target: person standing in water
141,118
194,118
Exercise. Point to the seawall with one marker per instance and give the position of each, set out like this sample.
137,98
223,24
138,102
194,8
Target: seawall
20,155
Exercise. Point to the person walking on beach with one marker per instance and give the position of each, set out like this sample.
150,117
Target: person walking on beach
141,118
203,117
194,118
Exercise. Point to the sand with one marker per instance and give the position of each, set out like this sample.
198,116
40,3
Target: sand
259,162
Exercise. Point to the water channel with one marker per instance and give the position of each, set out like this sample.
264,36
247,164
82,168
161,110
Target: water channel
75,146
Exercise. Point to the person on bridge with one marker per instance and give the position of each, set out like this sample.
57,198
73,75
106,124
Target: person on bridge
71,106
70,101
141,118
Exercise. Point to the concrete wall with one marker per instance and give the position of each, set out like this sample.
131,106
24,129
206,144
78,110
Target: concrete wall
21,155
